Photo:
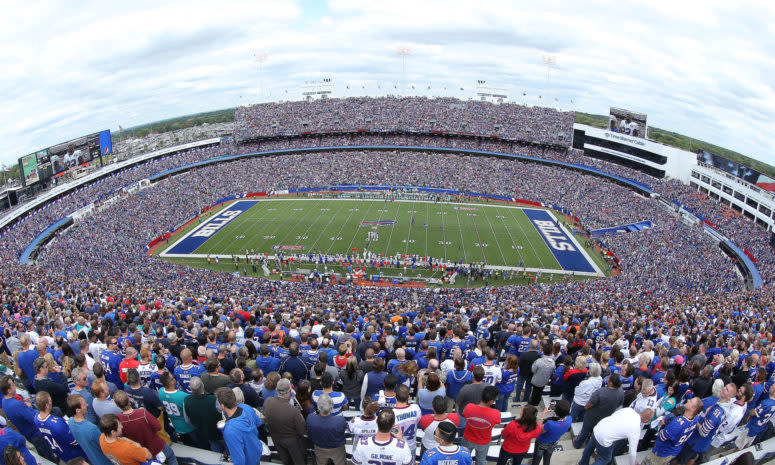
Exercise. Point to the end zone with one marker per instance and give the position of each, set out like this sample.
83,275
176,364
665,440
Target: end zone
568,252
199,235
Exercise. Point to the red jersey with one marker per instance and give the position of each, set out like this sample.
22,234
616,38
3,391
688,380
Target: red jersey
124,367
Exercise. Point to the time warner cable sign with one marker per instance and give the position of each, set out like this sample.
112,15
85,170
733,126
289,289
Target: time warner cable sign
199,235
565,249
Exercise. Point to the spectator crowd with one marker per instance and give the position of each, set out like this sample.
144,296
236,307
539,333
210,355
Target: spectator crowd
115,355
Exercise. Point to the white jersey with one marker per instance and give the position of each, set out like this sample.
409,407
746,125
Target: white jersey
407,419
628,128
492,374
393,452
642,403
734,412
145,373
362,427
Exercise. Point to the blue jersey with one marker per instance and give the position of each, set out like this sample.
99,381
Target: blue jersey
111,361
672,437
628,382
184,374
58,437
507,382
339,400
154,381
707,425
450,346
762,414
449,455
482,333
599,336
518,344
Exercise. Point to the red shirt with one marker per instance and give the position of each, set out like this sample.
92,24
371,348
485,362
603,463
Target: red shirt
141,427
341,361
572,371
479,423
124,367
516,440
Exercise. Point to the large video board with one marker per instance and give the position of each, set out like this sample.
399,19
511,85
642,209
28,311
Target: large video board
42,165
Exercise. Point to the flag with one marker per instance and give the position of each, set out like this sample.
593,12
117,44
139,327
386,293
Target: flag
120,129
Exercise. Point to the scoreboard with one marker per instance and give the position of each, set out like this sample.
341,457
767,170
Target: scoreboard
40,166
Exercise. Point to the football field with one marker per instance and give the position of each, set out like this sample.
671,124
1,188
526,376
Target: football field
502,236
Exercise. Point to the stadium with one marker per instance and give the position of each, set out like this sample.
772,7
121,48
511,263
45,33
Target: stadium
363,220
351,233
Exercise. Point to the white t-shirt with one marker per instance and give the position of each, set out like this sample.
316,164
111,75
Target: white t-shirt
622,424
95,348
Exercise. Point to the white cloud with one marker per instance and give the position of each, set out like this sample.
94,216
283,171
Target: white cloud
699,68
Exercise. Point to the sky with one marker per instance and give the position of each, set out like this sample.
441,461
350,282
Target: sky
704,69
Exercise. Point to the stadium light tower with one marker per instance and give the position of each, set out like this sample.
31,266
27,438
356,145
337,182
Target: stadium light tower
550,62
403,51
260,57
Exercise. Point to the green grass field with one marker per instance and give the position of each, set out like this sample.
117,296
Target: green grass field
496,234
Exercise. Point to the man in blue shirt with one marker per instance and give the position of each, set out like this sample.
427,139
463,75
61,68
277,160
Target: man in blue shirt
294,364
141,396
707,425
111,360
187,370
23,417
55,430
674,435
9,437
266,363
26,358
241,429
554,428
446,453
327,432
85,432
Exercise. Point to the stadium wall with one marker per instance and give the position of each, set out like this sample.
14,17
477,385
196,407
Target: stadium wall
32,250
640,188
750,200
652,158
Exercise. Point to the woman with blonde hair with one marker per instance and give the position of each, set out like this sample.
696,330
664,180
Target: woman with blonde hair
270,385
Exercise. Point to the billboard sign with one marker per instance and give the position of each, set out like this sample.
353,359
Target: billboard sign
627,122
736,169
28,167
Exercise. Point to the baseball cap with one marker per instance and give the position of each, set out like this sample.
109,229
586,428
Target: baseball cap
283,387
